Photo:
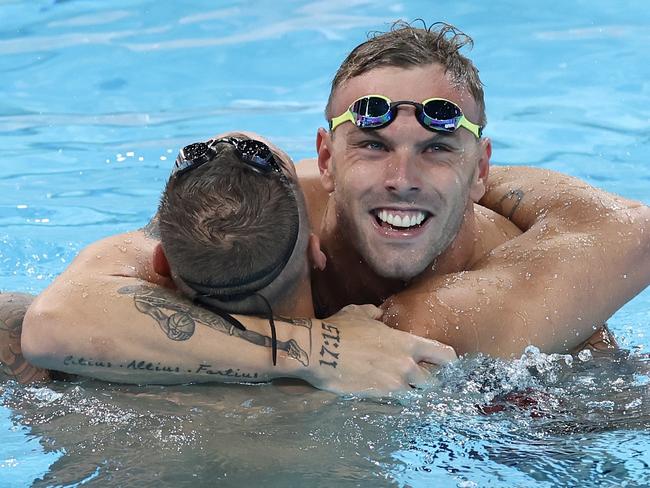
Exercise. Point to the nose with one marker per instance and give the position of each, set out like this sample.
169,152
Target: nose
402,176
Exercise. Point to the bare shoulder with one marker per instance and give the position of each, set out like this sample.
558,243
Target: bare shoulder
128,254
315,195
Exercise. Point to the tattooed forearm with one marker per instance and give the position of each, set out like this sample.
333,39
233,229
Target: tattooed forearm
158,367
508,204
331,341
177,319
12,311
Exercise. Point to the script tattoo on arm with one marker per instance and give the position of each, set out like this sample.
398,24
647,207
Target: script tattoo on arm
331,341
178,320
158,367
508,204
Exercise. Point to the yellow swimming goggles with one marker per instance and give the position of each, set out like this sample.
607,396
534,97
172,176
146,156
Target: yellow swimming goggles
376,111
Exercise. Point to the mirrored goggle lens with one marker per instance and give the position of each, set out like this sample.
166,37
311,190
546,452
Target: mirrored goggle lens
441,115
257,153
195,152
191,156
254,150
371,112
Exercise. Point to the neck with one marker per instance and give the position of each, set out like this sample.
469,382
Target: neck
461,252
299,304
347,278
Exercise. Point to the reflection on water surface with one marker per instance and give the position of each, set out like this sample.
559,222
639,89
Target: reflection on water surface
547,419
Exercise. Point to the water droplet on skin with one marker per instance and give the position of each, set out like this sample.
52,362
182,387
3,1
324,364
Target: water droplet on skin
84,295
585,355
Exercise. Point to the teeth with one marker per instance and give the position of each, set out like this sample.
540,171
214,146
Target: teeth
399,221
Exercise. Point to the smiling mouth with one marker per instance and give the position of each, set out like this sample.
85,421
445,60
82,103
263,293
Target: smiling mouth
401,220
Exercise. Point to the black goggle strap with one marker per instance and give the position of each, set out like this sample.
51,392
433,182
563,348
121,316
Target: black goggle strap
274,336
204,300
247,285
201,300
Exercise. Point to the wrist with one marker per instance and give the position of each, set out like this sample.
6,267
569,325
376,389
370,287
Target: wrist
298,347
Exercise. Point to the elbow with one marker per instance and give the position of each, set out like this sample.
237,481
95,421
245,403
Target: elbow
640,222
645,241
644,225
39,339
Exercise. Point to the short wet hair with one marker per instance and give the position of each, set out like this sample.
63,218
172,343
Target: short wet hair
408,46
224,221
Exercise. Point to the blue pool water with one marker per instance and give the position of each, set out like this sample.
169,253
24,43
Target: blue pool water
97,97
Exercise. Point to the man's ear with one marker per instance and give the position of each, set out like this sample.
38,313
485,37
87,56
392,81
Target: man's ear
479,184
160,263
324,150
317,258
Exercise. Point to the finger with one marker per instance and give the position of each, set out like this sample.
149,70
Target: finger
419,377
382,387
431,351
367,310
370,311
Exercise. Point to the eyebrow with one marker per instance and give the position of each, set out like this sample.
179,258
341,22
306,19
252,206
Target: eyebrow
440,137
435,137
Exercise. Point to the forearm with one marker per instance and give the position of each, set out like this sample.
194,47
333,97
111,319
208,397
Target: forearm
131,331
546,287
134,332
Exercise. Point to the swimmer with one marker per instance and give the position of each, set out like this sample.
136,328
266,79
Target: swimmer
408,220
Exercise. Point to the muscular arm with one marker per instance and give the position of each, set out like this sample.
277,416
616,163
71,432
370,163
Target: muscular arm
110,316
584,254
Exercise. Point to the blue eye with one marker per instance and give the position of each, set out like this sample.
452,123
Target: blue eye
437,147
373,145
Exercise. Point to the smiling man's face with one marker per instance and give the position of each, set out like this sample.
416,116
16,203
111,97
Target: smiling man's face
401,192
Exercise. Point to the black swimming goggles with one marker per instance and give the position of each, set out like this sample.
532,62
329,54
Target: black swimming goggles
260,158
254,153
377,111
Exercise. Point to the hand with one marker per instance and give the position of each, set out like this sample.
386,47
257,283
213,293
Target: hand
356,353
